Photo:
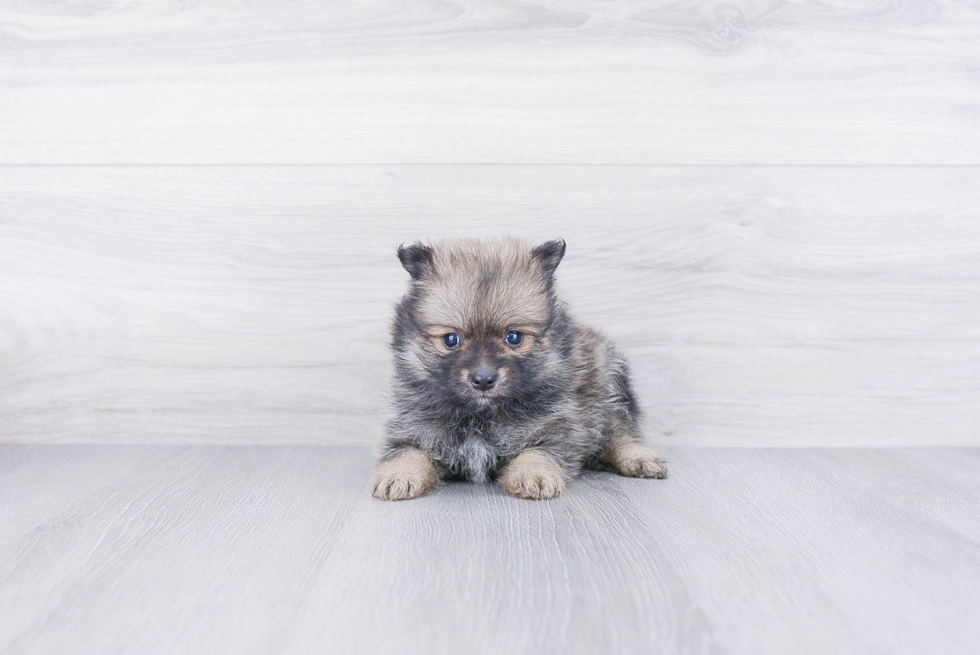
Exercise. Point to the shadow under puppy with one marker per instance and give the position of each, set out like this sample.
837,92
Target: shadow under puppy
495,381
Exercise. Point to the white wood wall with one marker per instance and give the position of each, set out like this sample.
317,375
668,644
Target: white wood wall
773,207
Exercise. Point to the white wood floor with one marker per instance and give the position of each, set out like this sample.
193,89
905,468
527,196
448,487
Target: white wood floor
139,549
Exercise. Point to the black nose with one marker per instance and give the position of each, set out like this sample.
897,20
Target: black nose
483,379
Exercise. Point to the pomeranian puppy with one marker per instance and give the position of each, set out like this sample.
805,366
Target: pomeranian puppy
494,380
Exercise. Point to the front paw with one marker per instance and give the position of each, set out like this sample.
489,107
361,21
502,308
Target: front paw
533,475
407,475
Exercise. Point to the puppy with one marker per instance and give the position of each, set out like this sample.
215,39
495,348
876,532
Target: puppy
494,380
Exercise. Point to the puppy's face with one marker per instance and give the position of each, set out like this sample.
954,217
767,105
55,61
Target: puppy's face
476,322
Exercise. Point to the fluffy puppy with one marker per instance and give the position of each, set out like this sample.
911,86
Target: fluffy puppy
494,380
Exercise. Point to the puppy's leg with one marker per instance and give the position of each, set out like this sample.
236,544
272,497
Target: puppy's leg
407,474
533,474
633,459
626,453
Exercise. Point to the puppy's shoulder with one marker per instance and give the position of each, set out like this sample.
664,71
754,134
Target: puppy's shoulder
595,356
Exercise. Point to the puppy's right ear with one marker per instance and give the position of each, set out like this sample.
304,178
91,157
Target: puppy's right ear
416,258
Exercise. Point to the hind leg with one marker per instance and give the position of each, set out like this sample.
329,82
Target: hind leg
633,459
625,452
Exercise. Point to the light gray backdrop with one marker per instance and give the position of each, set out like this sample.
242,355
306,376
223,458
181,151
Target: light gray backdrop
774,208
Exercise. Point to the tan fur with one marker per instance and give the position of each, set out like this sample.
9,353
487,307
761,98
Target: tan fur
635,460
407,475
532,474
455,295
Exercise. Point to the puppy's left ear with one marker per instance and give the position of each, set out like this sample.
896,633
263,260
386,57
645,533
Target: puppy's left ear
549,254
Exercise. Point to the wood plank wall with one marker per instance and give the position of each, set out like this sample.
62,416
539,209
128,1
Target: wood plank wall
773,207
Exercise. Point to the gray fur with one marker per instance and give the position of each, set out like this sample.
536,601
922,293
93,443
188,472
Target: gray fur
564,392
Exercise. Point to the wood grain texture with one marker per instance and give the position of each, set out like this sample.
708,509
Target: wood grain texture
490,81
282,550
758,306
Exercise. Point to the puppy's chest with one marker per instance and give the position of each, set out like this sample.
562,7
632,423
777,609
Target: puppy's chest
474,454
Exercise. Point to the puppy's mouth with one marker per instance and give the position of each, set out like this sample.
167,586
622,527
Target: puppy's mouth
484,397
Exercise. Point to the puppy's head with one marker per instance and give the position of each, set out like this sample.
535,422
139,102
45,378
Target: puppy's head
475,325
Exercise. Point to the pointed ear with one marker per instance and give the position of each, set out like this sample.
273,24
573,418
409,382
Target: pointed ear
416,258
550,254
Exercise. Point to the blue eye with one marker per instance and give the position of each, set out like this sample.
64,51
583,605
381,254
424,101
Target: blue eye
514,338
451,340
